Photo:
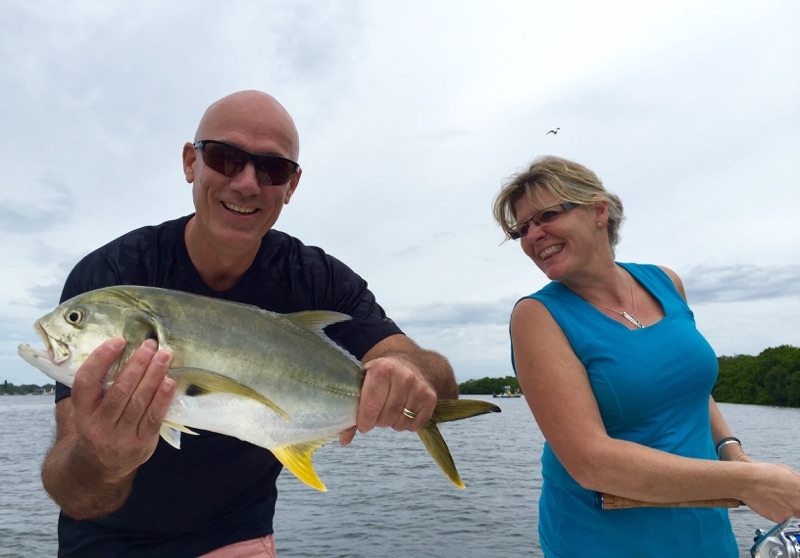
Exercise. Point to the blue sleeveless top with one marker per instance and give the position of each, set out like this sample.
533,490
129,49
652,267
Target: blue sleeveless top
653,387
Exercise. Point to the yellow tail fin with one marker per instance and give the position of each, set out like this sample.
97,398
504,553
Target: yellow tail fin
449,410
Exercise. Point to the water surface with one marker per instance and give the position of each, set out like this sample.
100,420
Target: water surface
385,496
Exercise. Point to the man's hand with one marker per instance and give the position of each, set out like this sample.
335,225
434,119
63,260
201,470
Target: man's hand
119,428
103,437
402,381
390,386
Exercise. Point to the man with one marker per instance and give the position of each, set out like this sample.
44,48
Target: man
122,491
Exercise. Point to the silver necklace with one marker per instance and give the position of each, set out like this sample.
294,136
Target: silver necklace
630,317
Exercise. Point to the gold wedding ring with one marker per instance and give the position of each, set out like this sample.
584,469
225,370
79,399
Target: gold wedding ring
410,414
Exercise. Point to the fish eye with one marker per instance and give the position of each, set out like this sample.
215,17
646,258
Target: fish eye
74,317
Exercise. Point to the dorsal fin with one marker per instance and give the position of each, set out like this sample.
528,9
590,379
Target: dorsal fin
317,320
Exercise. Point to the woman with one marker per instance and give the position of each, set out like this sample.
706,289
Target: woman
619,381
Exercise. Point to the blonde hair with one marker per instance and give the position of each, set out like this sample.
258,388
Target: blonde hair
563,179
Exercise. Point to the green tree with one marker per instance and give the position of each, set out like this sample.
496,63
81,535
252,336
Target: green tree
488,386
771,378
25,389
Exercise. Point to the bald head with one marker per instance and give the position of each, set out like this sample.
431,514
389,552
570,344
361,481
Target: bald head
248,118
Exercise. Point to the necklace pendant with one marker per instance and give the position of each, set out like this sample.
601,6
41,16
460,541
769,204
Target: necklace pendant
632,319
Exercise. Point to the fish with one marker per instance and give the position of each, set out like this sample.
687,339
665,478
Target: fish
274,380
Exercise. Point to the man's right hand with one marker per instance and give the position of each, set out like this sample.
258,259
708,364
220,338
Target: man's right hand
103,436
119,428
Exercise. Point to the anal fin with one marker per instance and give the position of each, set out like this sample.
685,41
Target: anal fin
297,458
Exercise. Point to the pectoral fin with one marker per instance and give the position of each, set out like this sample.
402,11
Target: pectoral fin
196,382
297,459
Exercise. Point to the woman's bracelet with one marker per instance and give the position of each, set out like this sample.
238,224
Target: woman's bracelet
724,442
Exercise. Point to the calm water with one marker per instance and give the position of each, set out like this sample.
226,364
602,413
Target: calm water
385,495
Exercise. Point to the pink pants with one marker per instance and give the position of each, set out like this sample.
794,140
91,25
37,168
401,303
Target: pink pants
254,548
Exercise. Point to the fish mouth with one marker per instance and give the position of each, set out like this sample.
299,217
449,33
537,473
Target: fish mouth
57,351
34,356
43,360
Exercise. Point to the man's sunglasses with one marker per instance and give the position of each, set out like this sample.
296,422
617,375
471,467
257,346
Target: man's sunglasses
547,215
230,160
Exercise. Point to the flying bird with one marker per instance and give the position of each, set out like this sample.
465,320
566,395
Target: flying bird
554,132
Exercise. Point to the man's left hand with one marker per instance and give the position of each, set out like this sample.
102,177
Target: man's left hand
394,390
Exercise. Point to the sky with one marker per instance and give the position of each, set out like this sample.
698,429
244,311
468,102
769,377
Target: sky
412,114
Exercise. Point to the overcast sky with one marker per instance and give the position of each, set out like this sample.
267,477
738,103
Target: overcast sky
411,115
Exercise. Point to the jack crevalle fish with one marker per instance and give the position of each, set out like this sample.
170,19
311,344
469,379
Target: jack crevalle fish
274,380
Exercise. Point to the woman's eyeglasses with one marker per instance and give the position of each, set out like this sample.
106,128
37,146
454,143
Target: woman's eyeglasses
546,215
230,160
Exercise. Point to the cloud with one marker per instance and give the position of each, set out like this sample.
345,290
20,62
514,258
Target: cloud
33,210
459,314
411,115
741,282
